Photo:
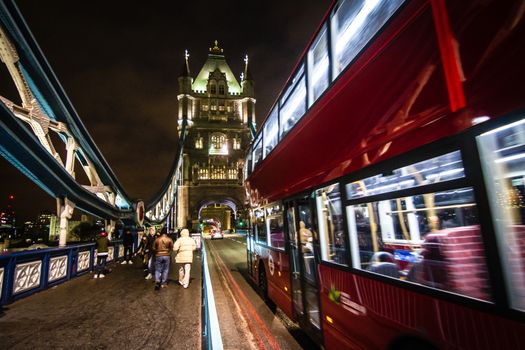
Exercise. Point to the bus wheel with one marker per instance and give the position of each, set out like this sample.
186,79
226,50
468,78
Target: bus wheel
263,288
263,283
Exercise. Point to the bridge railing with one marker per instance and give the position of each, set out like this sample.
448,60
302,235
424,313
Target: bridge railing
27,272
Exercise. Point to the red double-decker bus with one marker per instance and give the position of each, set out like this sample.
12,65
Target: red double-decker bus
387,183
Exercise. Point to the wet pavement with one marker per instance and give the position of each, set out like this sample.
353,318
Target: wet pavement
121,311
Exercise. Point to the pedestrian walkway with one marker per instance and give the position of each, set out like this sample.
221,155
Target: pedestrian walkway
120,311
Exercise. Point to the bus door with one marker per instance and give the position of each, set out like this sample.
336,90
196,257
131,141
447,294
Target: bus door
305,290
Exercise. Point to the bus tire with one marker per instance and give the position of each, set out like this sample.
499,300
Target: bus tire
263,288
411,344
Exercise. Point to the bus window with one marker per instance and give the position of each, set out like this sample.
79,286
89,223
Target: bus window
503,157
307,236
330,217
271,132
431,239
318,64
248,165
354,23
275,226
290,218
439,169
293,104
260,226
257,151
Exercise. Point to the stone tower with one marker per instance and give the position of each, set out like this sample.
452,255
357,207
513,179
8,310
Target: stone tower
220,116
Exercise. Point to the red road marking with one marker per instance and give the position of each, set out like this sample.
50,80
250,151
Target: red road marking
269,337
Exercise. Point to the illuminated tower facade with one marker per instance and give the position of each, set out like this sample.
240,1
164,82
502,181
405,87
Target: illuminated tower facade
220,114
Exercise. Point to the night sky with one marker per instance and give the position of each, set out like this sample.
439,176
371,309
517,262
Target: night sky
118,62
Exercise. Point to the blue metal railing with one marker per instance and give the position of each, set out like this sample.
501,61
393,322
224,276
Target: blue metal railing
211,333
27,272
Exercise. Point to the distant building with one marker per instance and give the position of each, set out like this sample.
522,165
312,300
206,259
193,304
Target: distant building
29,227
6,224
8,220
54,228
221,121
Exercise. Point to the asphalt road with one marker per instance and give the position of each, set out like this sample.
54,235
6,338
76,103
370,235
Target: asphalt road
246,322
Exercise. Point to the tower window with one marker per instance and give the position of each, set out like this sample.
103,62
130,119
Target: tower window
236,143
221,89
218,145
199,142
203,174
213,89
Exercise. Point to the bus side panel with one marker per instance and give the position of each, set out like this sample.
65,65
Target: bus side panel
334,339
278,275
374,314
345,311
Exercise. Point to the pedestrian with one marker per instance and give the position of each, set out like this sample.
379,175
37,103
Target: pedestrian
183,248
163,247
149,254
141,250
128,246
102,246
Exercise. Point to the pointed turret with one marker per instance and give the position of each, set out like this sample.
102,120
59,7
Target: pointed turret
247,80
185,81
248,92
185,77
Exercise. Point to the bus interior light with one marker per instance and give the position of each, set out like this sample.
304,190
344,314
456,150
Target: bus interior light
479,120
505,127
456,206
510,158
445,173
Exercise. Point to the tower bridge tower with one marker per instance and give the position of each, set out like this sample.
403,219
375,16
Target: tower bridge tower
220,114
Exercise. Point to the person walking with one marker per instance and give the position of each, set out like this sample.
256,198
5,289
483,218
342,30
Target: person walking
184,247
163,247
102,246
149,254
128,246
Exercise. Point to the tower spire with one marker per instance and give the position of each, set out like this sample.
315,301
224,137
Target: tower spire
186,66
216,49
247,74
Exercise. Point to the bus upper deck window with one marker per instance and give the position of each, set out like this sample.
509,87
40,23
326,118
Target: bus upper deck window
257,151
271,132
354,23
318,67
293,103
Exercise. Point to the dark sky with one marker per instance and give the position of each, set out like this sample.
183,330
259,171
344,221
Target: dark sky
118,62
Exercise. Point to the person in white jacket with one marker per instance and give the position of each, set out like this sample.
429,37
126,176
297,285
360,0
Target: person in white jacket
183,248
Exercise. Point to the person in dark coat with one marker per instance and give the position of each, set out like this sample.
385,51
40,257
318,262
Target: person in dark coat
146,248
102,247
127,239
